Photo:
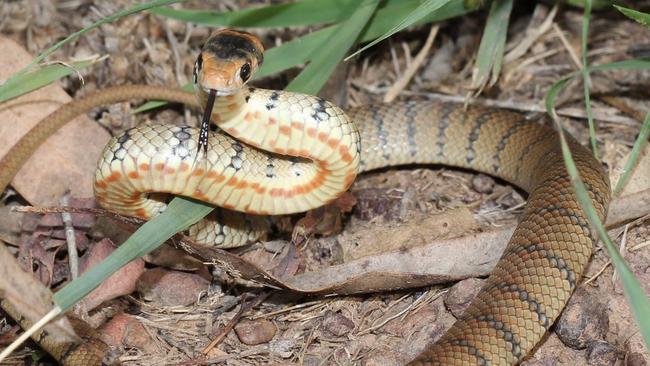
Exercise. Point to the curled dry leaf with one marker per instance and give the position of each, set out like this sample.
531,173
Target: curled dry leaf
433,262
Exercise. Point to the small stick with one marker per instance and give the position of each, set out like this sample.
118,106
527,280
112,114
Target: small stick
73,256
245,306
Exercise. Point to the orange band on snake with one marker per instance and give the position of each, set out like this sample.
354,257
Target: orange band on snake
286,152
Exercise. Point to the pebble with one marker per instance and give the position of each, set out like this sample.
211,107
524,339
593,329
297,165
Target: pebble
583,321
337,324
254,332
461,294
601,353
171,288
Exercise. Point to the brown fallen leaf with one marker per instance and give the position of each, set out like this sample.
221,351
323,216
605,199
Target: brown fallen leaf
171,288
436,261
67,160
378,239
22,291
119,283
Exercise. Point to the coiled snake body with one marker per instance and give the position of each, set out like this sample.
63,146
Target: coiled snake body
286,152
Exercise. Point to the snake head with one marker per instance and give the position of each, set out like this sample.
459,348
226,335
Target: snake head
227,61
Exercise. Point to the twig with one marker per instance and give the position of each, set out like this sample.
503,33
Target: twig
403,80
533,32
567,45
73,256
245,306
178,64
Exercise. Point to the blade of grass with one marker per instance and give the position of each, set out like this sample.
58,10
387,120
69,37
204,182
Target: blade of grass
639,144
301,50
156,103
301,13
179,215
25,83
643,18
424,9
4,88
637,299
490,52
332,51
556,88
586,80
634,293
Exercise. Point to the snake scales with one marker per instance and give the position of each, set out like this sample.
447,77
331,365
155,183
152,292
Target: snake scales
538,271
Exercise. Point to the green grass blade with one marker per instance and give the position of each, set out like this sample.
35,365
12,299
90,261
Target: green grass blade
332,51
302,13
634,293
424,9
179,215
156,103
301,50
639,144
25,83
637,299
556,88
4,88
643,18
585,78
490,52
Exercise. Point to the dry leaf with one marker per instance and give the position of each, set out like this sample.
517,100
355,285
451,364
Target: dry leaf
67,160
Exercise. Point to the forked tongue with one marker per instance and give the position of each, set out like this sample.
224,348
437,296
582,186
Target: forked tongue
205,122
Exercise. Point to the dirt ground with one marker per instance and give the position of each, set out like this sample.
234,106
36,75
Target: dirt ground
379,328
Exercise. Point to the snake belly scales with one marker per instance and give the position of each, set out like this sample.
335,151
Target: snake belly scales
286,152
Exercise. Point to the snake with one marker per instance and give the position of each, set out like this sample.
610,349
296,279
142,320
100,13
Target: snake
278,152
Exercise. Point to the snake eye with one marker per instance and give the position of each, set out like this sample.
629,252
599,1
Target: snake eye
245,72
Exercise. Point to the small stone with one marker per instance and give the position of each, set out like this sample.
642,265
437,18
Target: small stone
336,324
635,359
255,332
601,353
171,288
373,202
483,183
282,347
125,330
461,294
583,321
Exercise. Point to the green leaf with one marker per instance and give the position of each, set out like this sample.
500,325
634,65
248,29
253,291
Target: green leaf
556,88
301,13
490,52
25,83
332,51
157,103
634,293
643,18
585,78
425,8
179,215
639,145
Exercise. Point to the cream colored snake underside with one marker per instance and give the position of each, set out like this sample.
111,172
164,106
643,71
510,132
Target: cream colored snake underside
543,261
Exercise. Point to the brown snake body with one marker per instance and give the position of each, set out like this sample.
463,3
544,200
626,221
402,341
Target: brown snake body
544,259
